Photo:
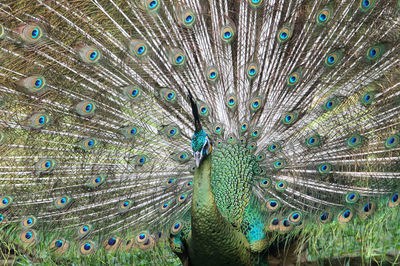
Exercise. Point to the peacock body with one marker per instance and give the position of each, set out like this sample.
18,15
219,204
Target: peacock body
226,130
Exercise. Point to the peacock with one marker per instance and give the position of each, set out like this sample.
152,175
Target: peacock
195,132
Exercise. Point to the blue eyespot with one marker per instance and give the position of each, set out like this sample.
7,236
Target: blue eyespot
295,216
142,236
324,167
170,181
273,203
256,104
244,126
231,101
367,97
141,49
28,235
286,223
182,197
395,197
331,59
179,59
170,95
189,19
203,110
252,72
133,131
288,118
227,35
97,180
172,132
59,243
293,79
346,214
275,221
152,4
63,200
165,205
112,241
134,92
5,201
366,3
90,143
353,140
29,221
183,156
47,164
311,140
88,107
283,35
35,33
280,184
372,52
87,246
85,228
42,120
322,17
352,196
213,75
177,225
324,216
38,83
126,204
93,55
367,207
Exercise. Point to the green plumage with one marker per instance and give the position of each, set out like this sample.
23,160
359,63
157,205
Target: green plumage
199,132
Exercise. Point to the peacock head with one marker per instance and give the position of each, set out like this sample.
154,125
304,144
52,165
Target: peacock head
201,146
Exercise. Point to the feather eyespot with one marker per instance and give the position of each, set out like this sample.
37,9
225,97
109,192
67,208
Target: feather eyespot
256,104
333,58
111,243
366,5
212,74
39,120
366,209
260,157
84,230
89,54
138,48
281,186
181,198
172,131
45,165
375,52
313,141
279,164
354,141
125,205
345,216
231,101
294,78
394,200
5,202
132,92
352,197
265,182
87,247
85,108
96,181
274,147
284,34
176,227
152,5
227,33
392,141
29,221
325,217
323,16
252,70
28,236
273,204
203,109
31,33
290,118
188,18
325,168
59,245
62,202
255,3
218,129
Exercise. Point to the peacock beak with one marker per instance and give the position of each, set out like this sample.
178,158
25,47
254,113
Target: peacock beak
197,158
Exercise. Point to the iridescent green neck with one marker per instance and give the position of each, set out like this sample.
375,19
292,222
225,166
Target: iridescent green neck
214,239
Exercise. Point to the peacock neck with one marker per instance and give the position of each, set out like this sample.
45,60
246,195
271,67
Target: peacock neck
214,241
